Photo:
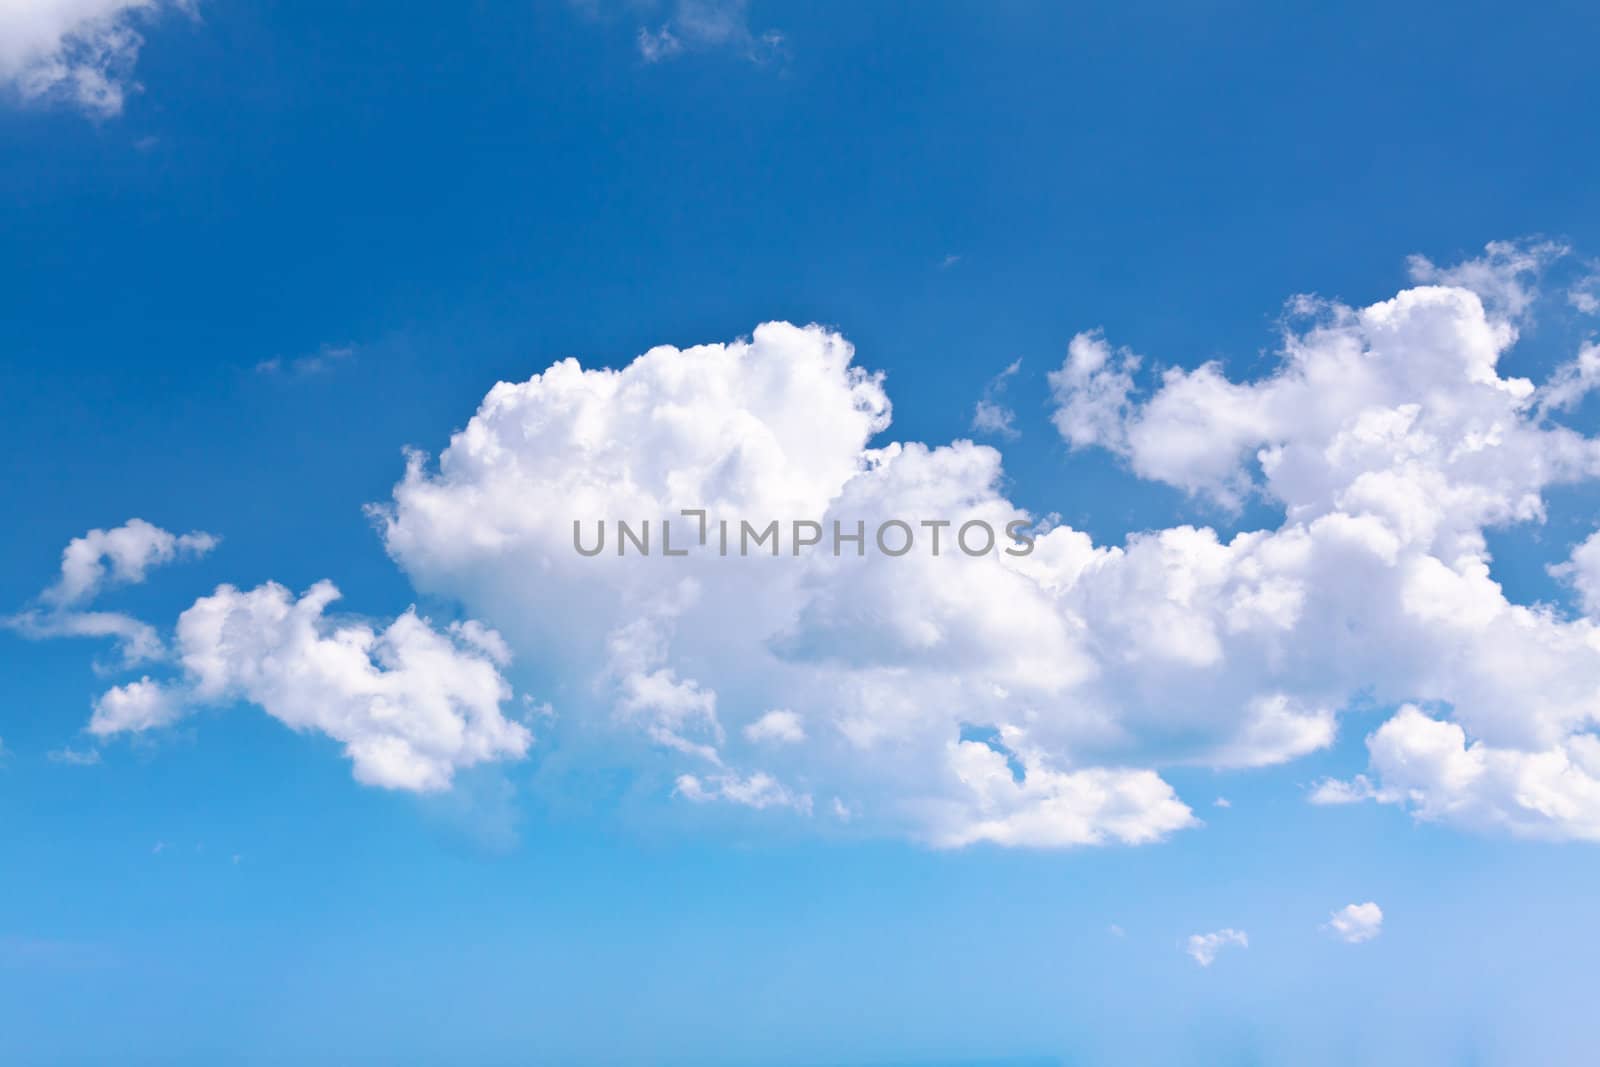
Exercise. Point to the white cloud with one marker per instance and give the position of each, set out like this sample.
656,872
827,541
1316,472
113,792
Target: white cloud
119,556
1331,792
779,726
1582,571
1355,923
1503,276
1430,767
1050,808
1203,948
992,416
101,558
325,359
1572,381
705,25
758,790
1091,391
137,642
411,705
82,51
1583,295
135,707
74,757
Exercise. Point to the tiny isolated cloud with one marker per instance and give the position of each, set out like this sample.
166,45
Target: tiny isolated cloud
1355,923
1203,948
81,52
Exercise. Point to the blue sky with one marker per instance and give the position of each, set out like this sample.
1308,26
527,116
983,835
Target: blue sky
253,255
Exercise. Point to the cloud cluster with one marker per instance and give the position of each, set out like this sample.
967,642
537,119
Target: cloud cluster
1385,435
1032,700
80,51
992,415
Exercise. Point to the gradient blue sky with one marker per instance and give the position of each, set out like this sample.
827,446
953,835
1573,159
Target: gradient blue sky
460,194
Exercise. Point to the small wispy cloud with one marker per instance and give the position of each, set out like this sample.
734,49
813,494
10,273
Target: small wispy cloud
949,261
1585,295
75,757
992,415
321,361
1203,948
1333,791
709,25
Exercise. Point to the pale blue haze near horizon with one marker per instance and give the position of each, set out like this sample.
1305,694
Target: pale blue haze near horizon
317,234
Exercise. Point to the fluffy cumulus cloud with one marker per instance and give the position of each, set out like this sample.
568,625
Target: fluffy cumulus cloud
1203,948
1386,437
119,556
1355,923
1430,765
410,703
80,51
874,664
